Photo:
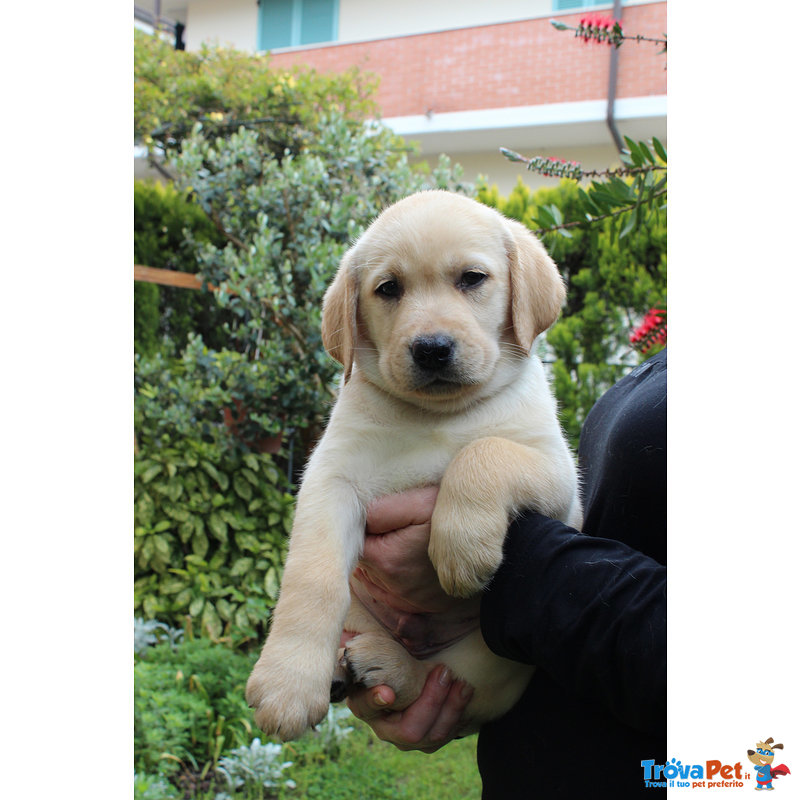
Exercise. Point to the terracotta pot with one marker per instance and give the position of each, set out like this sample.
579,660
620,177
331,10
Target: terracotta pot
266,444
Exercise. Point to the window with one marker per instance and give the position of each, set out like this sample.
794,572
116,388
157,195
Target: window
569,5
287,23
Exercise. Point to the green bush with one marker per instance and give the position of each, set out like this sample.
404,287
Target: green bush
189,705
611,284
165,219
288,222
153,787
223,88
211,517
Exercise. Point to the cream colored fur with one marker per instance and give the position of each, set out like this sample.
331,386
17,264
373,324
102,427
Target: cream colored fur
486,433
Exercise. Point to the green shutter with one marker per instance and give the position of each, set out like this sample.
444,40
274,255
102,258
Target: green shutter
569,5
274,24
318,21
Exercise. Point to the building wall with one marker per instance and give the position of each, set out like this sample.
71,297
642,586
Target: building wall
509,64
358,20
229,23
234,22
520,62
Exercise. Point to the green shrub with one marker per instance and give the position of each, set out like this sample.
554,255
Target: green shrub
611,284
189,705
210,536
153,787
223,88
288,222
211,517
165,219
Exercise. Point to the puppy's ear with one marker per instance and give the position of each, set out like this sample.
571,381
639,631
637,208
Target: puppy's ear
537,289
339,315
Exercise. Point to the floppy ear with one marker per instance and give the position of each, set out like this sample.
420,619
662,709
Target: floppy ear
339,315
537,289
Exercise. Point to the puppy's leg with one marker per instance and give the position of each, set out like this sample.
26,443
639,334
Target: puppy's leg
487,482
290,684
358,621
375,658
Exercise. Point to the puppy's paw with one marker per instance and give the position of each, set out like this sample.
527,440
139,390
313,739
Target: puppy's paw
288,696
466,546
375,659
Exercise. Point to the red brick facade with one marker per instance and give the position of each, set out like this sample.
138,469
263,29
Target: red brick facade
495,66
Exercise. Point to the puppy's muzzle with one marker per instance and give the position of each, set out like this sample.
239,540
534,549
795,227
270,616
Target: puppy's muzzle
433,353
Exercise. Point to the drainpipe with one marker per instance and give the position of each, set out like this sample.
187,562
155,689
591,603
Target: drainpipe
612,85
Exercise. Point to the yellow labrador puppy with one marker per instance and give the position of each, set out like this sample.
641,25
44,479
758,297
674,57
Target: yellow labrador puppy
433,313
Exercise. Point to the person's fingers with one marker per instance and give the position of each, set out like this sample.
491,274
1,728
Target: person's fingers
370,704
431,721
448,721
422,714
395,511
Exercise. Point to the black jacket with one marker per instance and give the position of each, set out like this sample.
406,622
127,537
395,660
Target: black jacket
590,612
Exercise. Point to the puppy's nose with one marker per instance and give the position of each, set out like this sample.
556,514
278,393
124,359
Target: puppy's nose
432,352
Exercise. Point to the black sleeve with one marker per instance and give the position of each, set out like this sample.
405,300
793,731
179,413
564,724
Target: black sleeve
589,611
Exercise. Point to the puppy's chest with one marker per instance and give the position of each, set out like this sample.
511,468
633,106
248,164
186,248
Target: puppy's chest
393,460
379,460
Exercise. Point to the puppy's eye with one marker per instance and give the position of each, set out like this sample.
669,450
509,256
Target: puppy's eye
388,289
470,278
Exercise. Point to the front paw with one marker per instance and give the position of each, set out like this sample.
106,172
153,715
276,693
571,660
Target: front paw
288,696
466,546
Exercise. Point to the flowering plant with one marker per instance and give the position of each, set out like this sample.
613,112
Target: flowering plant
626,196
652,332
597,28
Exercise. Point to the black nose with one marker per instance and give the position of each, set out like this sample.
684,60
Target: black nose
432,352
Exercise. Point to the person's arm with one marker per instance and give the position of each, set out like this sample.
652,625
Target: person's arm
591,612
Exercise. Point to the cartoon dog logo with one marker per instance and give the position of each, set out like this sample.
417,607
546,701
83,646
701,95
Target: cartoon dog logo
762,757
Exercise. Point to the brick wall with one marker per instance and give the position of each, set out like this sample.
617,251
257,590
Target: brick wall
510,64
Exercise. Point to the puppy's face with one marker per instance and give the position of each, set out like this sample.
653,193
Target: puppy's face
435,302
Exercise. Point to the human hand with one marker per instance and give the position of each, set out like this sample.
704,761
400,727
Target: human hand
429,723
395,567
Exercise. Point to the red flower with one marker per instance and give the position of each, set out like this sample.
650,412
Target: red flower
651,332
599,28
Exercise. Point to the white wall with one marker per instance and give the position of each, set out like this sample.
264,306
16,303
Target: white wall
499,170
358,19
230,22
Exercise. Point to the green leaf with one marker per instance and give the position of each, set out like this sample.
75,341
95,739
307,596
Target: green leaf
224,609
636,155
218,527
241,566
196,606
251,476
171,586
659,148
242,488
271,584
629,226
174,490
200,544
251,460
151,472
211,621
183,598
